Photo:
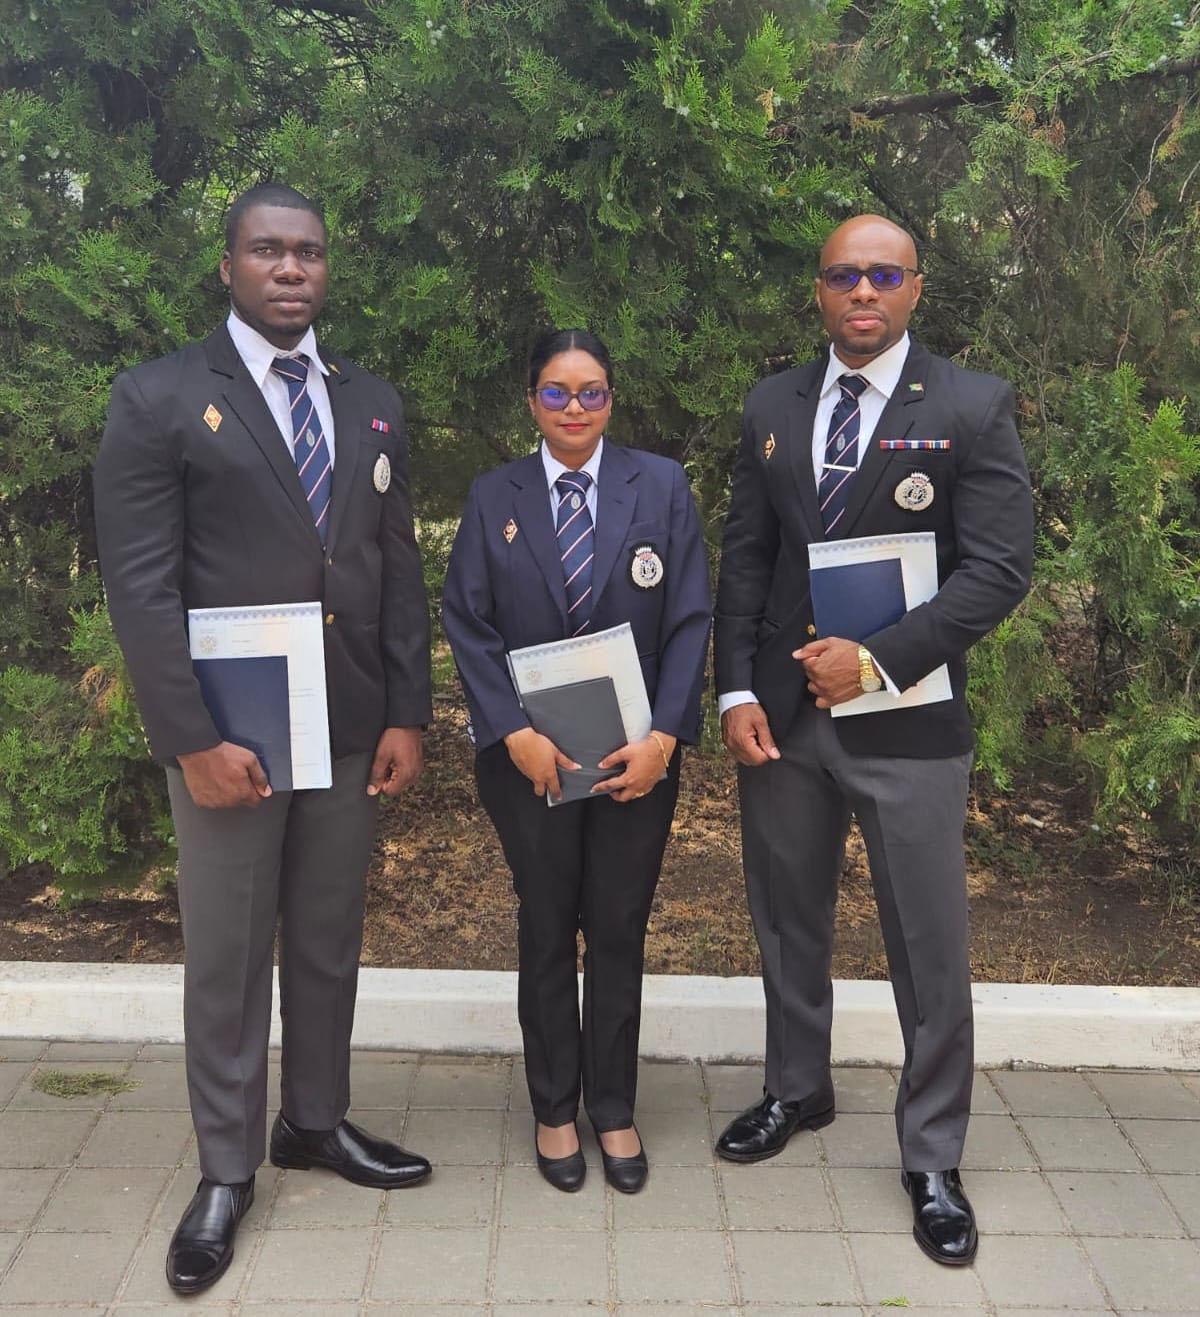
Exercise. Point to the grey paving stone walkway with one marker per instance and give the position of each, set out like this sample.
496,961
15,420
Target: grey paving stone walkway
1087,1187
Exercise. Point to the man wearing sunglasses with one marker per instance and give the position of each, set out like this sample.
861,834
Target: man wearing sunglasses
877,437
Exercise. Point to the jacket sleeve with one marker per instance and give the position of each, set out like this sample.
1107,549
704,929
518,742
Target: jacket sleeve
686,620
404,607
748,553
993,531
139,499
468,615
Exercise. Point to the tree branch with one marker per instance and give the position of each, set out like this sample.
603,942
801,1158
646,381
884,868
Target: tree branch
928,102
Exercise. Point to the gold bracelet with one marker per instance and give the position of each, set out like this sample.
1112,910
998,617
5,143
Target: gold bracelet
662,750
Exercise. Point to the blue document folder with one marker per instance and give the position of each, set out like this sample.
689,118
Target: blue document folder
248,700
854,600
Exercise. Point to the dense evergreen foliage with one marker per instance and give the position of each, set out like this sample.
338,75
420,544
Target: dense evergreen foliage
663,171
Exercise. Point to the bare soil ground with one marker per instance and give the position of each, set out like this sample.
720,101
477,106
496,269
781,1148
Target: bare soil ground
1052,901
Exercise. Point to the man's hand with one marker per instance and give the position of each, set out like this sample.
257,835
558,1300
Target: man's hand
225,776
832,668
644,767
398,761
539,759
747,734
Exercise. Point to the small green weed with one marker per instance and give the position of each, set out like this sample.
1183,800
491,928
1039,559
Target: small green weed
84,1083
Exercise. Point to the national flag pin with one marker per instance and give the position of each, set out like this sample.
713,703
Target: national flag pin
510,531
769,447
382,426
212,418
916,387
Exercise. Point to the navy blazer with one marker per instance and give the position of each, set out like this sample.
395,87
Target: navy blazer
504,584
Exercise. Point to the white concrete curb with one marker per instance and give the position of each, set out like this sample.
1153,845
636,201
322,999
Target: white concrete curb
684,1016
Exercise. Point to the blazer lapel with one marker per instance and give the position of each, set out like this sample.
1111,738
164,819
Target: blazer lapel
799,443
248,404
345,402
615,502
531,503
895,421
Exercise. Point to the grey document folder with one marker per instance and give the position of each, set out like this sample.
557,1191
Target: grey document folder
583,719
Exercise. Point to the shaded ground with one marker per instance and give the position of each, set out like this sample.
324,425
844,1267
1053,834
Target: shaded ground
1052,900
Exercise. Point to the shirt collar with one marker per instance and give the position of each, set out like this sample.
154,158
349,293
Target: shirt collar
554,468
258,354
882,372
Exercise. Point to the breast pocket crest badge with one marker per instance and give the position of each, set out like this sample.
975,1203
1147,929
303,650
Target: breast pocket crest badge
915,492
646,567
382,475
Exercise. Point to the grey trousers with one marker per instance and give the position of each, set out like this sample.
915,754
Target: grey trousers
300,859
795,816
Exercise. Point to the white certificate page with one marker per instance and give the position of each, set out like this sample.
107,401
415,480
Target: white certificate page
291,631
611,653
916,553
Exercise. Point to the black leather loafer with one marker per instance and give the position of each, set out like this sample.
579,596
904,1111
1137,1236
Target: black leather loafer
627,1175
943,1219
762,1131
565,1173
353,1153
201,1248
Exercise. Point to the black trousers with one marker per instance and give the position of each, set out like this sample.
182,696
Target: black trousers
589,865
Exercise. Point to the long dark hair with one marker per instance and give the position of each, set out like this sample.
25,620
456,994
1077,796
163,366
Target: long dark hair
554,341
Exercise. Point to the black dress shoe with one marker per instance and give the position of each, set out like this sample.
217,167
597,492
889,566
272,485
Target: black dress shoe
353,1153
943,1220
565,1173
201,1248
626,1174
763,1130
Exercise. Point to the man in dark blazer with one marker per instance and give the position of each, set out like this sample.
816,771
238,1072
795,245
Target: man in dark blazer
254,469
879,437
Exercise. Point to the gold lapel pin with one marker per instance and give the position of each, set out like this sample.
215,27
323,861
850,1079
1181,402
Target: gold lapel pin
212,418
333,366
510,531
769,447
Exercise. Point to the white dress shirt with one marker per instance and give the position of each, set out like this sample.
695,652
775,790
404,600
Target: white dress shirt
554,469
882,374
258,354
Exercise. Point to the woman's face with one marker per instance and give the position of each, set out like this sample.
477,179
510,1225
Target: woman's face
572,433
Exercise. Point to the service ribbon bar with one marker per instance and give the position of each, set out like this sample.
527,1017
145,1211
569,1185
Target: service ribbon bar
921,445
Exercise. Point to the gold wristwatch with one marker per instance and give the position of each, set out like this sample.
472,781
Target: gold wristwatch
868,678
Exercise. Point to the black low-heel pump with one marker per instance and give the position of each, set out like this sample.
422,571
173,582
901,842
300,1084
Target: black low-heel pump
565,1173
627,1175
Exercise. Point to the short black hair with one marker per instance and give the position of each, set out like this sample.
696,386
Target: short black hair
267,194
554,341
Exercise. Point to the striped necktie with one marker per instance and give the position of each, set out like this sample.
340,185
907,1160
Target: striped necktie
841,453
308,442
576,547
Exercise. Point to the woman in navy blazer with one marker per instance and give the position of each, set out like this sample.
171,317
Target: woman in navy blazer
575,538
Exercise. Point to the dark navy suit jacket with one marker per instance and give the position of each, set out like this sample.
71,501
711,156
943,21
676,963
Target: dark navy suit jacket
504,588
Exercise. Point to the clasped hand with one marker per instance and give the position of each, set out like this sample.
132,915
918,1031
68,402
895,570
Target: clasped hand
832,668
539,759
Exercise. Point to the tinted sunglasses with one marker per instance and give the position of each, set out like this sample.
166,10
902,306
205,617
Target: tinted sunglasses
842,278
555,399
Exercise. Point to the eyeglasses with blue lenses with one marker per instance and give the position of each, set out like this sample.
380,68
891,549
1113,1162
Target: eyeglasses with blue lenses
886,278
555,399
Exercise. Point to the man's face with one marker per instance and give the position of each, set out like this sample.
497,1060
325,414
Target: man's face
277,273
867,320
